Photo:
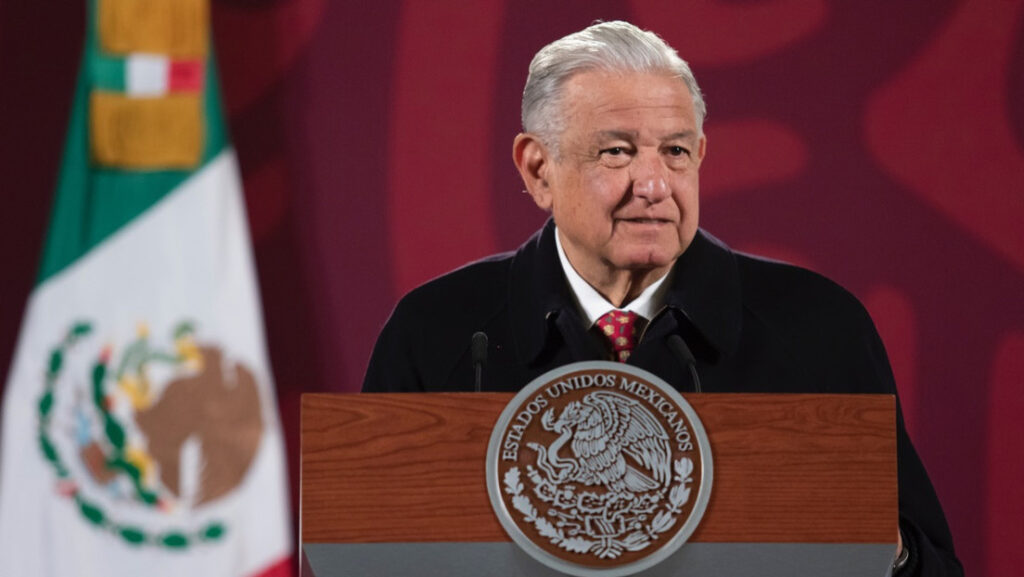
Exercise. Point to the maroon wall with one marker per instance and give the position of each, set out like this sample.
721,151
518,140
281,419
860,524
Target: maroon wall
881,143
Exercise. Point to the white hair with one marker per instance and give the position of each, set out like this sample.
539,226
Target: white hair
610,46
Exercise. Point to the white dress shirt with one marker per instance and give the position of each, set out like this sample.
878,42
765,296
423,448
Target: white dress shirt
592,306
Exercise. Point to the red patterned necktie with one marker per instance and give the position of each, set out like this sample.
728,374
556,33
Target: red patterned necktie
619,327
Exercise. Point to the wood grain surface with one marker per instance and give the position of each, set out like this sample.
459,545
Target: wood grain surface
410,467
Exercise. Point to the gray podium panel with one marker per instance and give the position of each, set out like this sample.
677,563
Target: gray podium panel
508,560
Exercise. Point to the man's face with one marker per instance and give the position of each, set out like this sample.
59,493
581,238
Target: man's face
623,186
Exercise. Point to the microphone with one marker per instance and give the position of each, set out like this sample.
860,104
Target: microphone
478,352
684,356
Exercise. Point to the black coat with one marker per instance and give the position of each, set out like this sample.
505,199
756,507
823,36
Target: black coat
753,325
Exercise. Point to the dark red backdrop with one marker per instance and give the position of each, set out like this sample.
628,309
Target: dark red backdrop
881,143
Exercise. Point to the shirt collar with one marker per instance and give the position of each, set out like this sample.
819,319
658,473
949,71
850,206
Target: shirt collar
704,287
592,306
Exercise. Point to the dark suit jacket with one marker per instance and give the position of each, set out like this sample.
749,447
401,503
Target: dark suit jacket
753,325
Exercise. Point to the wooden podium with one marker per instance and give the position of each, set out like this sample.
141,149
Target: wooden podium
394,485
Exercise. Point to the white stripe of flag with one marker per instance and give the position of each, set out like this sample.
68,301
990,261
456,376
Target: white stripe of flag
147,75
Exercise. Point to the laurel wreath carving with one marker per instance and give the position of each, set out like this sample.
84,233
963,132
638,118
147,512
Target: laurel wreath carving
174,539
610,548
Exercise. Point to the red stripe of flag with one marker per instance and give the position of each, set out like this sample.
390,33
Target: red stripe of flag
185,76
284,567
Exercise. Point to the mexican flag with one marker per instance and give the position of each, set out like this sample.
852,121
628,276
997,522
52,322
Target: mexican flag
140,433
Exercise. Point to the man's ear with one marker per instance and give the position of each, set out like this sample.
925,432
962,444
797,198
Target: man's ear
533,160
702,149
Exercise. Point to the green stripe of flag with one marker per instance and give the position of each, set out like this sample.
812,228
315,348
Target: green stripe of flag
93,202
108,73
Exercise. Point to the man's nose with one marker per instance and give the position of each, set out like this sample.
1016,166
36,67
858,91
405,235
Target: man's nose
648,176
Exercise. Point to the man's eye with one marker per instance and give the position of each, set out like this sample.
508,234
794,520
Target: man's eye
614,151
678,151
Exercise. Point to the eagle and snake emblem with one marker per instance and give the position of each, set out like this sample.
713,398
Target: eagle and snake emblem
607,483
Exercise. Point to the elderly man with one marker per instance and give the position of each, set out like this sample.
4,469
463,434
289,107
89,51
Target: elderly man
612,146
